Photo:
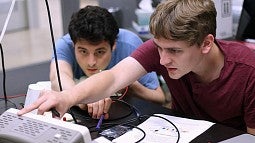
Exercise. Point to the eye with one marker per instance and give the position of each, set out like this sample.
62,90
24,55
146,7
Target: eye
100,53
83,52
174,51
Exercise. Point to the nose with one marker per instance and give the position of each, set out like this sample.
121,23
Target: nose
164,58
92,60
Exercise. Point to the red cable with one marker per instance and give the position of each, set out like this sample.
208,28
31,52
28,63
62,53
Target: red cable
13,96
122,94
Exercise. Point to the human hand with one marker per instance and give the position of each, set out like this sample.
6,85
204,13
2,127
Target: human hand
48,100
99,108
83,106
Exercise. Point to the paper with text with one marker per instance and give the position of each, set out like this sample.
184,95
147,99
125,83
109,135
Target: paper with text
159,130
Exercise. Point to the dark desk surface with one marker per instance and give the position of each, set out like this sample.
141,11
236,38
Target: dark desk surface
122,112
215,133
11,103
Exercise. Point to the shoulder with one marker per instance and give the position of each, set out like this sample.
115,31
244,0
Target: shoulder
123,31
148,46
64,47
144,53
233,47
66,39
237,52
128,38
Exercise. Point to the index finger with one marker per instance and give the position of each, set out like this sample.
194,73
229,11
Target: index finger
27,109
31,107
107,104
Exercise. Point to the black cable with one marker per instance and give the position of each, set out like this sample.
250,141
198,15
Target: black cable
129,125
177,130
53,43
132,108
6,104
144,134
143,116
4,80
126,123
2,55
137,118
56,61
4,74
107,125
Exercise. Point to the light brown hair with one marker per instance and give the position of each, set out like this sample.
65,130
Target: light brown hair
184,20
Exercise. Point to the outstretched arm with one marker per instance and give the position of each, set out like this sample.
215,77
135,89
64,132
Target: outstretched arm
94,88
67,82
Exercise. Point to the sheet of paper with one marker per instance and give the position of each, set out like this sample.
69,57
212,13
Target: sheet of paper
159,130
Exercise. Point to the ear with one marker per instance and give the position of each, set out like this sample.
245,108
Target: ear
114,46
207,43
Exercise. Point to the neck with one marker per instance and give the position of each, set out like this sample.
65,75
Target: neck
211,66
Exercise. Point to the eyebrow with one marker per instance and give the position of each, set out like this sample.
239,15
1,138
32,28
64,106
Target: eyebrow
156,44
167,47
79,47
84,48
101,48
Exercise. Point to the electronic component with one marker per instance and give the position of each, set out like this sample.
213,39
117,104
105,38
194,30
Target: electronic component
31,128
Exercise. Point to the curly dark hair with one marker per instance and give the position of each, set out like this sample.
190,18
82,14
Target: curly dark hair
93,24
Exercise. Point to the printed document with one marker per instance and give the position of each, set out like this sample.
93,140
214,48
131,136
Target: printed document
159,130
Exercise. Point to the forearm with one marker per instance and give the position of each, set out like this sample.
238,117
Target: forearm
65,73
143,92
94,88
251,131
105,83
91,89
66,82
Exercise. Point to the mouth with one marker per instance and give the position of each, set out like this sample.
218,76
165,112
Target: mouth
92,70
171,70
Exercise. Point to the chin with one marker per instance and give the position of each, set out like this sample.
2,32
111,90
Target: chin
176,76
88,74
